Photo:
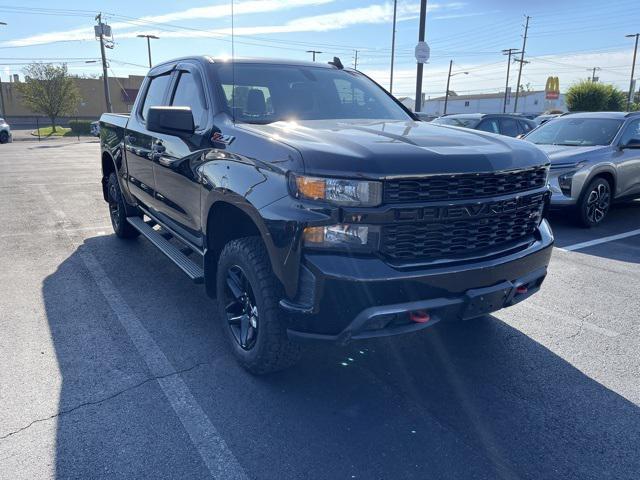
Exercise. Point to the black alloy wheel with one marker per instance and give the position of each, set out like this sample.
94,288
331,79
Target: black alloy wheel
241,309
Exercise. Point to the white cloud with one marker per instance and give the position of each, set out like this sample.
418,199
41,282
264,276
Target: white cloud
373,14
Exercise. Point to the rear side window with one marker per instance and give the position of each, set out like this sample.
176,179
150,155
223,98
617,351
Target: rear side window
526,127
155,93
490,125
189,94
509,127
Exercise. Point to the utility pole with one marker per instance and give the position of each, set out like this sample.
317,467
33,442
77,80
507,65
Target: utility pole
100,29
355,61
633,69
149,38
314,52
423,21
2,110
393,43
522,62
446,93
509,52
593,73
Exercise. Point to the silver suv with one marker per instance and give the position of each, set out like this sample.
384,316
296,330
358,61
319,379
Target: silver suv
5,131
595,160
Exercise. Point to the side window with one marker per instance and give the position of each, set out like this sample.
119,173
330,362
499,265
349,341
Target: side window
189,94
525,127
509,127
490,125
155,93
632,132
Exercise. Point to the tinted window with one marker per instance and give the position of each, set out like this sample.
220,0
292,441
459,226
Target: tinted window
509,127
155,93
631,132
576,131
526,127
490,125
269,93
189,94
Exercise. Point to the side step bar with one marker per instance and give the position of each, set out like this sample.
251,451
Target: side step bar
188,266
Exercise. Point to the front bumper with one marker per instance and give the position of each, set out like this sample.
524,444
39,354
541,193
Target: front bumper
355,298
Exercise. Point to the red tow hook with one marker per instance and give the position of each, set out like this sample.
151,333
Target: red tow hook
419,316
522,289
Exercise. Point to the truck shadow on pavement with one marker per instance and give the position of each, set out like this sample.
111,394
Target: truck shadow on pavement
472,400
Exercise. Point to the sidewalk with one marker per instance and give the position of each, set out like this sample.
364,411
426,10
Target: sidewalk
24,135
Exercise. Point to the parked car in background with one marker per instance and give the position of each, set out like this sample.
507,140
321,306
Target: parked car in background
95,129
425,117
5,131
595,160
545,117
503,124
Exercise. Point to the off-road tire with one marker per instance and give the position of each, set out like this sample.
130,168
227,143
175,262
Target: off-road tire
272,350
118,210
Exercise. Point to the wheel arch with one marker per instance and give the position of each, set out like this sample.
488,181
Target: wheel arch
108,167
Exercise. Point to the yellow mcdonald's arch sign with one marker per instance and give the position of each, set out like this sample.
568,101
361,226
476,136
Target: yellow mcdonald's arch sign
552,89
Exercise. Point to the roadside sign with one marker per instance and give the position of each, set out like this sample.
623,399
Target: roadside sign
423,52
552,88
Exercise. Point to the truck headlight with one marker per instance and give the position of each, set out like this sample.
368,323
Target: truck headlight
342,236
564,182
337,191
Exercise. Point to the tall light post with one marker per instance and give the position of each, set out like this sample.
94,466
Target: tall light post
2,111
421,43
633,69
446,94
149,38
393,43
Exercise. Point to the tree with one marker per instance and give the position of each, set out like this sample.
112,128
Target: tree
50,90
588,96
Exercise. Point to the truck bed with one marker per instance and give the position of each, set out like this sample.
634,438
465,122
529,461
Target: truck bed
115,119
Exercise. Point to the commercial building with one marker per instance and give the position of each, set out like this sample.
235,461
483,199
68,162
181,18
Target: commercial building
533,103
91,105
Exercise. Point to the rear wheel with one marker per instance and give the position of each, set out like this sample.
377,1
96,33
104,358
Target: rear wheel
247,300
118,211
594,203
4,137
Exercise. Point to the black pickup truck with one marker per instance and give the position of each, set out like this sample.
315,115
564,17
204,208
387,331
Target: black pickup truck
314,206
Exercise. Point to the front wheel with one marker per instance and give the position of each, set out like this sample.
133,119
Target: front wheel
247,295
117,210
594,203
4,137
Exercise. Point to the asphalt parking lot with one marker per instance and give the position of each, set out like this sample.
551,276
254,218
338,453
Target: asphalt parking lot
113,365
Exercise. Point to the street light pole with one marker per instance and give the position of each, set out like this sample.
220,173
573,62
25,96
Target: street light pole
420,67
522,62
446,95
633,69
593,73
393,44
149,38
105,78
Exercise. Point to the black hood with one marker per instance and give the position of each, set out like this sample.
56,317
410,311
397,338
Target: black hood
398,148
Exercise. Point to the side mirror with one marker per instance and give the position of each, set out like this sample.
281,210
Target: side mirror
177,121
633,143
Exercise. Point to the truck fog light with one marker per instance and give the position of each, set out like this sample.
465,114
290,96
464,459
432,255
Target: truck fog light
345,236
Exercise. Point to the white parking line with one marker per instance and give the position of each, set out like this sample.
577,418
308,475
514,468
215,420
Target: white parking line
598,241
212,448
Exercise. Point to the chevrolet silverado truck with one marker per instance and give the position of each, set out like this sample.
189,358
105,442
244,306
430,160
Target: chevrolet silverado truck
313,206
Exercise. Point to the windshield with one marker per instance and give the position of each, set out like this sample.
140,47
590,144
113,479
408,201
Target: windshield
270,93
576,132
458,121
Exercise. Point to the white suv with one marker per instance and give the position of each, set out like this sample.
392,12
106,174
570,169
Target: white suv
5,131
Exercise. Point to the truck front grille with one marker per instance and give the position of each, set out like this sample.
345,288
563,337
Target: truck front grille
463,186
474,228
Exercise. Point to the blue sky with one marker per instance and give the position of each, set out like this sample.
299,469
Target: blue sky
567,37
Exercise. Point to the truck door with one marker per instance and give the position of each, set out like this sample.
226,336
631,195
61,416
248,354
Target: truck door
139,141
176,167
